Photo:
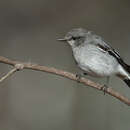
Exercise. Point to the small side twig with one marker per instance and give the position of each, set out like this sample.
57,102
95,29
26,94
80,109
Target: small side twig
8,74
17,67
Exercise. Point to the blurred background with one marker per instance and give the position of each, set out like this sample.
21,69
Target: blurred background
31,100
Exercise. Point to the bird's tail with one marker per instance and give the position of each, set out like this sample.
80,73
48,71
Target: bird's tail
127,68
125,73
127,81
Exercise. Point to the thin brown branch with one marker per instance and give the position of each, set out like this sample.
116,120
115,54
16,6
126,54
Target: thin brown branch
8,74
21,65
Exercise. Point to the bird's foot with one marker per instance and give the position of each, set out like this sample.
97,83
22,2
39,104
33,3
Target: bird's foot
78,77
104,88
85,73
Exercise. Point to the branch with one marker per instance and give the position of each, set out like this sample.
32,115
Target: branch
21,65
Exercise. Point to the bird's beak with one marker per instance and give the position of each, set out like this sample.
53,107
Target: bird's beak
62,39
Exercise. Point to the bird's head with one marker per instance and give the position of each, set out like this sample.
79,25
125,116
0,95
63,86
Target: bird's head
75,37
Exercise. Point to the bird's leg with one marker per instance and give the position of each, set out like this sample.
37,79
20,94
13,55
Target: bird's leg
107,80
104,88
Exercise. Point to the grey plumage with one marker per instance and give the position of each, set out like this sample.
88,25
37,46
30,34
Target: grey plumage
95,56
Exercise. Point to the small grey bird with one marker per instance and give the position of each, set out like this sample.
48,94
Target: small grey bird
95,57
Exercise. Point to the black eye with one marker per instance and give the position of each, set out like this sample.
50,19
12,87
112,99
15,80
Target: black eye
76,38
73,38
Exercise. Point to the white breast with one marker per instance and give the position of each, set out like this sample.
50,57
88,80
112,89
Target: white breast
94,61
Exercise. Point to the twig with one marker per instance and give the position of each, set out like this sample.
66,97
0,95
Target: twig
17,68
21,65
8,74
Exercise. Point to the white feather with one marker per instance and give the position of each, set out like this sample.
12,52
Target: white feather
95,62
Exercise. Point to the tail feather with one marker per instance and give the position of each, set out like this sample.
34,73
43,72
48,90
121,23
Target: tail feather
127,81
127,67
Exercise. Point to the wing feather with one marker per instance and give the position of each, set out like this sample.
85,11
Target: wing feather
106,48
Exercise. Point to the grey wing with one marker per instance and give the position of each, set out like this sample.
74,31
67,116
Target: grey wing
107,48
119,59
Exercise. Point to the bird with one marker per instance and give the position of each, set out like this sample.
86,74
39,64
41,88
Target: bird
95,56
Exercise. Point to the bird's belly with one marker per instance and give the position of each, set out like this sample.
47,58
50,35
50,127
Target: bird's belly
96,64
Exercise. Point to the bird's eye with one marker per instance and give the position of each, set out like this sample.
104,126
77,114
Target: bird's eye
73,38
76,38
